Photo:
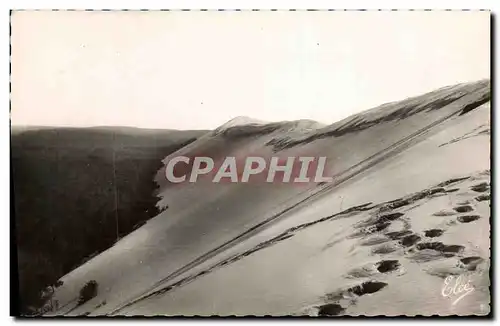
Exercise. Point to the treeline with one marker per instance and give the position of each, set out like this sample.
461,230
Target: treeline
71,186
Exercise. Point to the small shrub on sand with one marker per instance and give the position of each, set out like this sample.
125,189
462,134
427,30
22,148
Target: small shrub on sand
88,291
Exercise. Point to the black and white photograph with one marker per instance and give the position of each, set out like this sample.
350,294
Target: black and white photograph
236,163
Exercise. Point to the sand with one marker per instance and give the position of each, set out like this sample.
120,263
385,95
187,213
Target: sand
381,240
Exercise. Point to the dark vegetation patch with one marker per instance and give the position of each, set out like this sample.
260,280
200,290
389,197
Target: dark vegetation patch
437,190
409,240
468,218
385,266
330,309
471,262
453,190
433,233
439,246
464,209
87,292
474,105
64,183
483,197
482,187
367,288
451,181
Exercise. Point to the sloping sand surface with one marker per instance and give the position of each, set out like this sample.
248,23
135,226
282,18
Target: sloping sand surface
256,249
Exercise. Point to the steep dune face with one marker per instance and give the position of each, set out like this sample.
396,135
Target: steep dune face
206,221
393,240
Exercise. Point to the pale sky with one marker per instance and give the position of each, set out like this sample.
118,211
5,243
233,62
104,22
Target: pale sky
196,70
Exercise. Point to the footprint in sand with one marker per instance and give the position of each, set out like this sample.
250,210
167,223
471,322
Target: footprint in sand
333,307
446,259
440,247
433,233
463,209
372,269
374,225
386,266
468,218
429,251
330,309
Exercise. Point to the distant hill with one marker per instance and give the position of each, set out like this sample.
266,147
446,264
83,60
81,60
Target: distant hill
70,186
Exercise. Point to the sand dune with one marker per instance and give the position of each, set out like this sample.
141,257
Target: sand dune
381,239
